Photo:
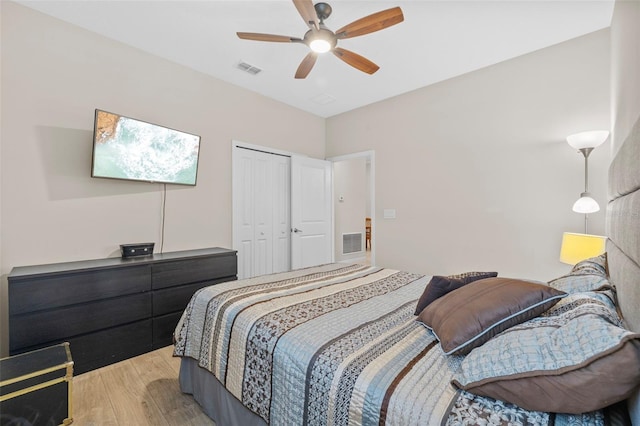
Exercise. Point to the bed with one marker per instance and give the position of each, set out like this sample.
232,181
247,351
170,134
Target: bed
342,344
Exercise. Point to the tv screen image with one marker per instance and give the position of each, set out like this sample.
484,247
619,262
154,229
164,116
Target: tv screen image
126,148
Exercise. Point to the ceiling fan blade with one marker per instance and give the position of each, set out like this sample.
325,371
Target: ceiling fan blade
374,22
268,37
305,66
355,60
308,13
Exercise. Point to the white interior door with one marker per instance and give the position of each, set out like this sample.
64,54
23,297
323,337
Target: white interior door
261,212
311,212
243,210
281,214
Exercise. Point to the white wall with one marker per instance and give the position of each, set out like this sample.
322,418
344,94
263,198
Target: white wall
625,69
53,77
350,182
477,167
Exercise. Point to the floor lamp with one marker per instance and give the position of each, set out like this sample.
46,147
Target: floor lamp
585,142
577,247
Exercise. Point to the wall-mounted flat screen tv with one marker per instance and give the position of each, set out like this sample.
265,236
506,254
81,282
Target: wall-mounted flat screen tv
126,148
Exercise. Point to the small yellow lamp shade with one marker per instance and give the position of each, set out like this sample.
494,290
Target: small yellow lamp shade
577,247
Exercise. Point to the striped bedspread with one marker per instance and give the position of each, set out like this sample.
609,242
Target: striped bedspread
335,344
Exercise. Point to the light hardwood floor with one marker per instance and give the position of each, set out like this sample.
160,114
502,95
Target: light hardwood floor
139,391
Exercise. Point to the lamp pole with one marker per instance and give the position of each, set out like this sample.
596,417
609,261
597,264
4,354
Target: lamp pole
585,142
586,152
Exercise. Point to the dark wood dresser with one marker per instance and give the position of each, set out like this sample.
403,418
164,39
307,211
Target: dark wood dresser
109,309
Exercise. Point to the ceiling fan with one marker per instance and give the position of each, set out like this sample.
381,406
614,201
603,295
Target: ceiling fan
320,39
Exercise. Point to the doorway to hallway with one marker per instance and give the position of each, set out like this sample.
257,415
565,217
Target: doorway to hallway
354,187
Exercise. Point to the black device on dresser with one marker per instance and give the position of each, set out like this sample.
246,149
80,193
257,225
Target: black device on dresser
135,250
109,309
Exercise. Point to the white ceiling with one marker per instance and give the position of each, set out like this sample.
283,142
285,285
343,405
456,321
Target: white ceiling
437,40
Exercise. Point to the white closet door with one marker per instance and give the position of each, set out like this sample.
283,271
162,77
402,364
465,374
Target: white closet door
261,212
243,210
282,214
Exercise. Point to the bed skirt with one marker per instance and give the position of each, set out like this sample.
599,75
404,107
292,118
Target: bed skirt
214,399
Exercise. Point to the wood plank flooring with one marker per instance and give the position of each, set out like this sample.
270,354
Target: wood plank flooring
139,391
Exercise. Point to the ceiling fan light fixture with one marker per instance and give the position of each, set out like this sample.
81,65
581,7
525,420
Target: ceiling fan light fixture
320,45
320,39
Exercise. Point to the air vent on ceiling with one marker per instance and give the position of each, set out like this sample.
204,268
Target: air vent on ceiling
352,242
323,99
248,68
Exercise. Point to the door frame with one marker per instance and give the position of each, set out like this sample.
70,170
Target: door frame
262,148
370,156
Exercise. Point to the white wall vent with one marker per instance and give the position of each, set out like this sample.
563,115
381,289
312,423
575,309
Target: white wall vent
248,68
323,99
352,242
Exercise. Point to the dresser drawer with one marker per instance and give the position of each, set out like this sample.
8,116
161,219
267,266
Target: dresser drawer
105,347
176,298
29,294
163,328
168,274
43,327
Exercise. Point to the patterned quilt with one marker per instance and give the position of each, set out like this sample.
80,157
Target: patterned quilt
335,344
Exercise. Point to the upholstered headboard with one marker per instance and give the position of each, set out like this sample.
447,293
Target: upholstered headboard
623,230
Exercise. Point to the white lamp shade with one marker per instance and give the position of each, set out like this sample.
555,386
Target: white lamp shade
577,247
320,45
590,139
586,204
